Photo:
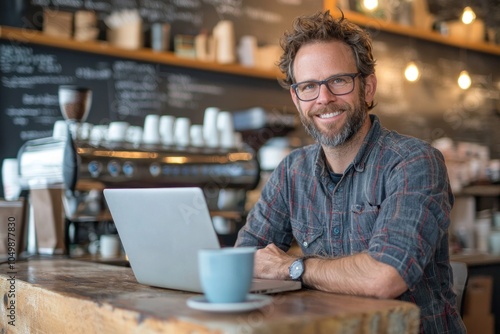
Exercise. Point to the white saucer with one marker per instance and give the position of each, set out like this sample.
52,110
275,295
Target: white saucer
253,302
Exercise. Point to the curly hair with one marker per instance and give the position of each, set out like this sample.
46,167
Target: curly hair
323,27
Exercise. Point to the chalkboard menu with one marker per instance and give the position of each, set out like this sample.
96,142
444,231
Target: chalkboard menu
123,90
128,90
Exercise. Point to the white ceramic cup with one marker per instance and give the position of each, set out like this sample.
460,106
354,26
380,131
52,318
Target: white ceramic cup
225,128
109,245
117,131
167,129
182,127
247,50
10,179
134,134
60,129
98,133
210,131
84,131
151,131
196,135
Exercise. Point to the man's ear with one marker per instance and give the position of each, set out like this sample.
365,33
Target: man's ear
370,88
295,99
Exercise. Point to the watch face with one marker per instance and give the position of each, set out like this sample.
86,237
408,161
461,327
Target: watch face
296,269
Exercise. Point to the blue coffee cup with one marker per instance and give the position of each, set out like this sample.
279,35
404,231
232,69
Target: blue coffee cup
226,273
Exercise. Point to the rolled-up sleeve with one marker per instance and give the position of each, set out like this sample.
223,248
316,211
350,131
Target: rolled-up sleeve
414,216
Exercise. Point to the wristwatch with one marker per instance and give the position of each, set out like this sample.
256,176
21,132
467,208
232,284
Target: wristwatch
296,269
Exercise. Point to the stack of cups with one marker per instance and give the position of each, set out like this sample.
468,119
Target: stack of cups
210,130
10,179
151,134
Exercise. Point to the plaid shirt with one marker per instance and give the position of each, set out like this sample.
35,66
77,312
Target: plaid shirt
393,202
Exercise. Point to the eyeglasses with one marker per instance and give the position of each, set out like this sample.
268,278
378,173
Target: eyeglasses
340,84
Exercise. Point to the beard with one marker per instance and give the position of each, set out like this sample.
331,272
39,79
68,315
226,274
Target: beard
331,138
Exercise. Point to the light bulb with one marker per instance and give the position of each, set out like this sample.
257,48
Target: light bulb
464,80
412,73
468,16
370,4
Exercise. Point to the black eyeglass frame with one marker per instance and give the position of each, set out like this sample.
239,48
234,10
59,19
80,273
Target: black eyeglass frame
325,82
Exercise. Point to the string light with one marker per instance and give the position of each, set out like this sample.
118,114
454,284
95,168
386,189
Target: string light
412,73
464,80
468,16
370,5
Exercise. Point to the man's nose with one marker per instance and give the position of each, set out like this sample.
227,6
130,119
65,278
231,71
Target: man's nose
325,95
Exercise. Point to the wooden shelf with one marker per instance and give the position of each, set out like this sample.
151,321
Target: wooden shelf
476,258
395,28
489,190
101,47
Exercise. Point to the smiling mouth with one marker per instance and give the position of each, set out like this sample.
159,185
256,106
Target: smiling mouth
330,115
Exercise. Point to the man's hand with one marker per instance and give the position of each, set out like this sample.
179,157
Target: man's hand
272,263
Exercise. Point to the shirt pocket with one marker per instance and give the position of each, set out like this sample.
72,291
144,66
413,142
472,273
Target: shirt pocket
308,237
363,218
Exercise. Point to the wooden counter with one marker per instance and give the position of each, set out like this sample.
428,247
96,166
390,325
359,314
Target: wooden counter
70,296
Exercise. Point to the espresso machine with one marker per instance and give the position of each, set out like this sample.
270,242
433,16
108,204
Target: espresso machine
82,164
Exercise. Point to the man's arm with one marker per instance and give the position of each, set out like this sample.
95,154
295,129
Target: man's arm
358,274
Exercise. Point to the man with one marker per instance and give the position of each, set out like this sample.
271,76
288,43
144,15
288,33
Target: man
369,207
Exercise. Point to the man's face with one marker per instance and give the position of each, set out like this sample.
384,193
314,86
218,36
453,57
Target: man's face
331,120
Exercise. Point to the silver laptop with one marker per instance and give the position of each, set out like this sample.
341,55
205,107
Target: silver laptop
162,229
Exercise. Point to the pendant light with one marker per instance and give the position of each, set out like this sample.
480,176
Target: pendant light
370,5
464,80
412,72
468,15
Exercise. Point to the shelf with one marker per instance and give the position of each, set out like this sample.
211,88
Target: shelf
490,190
476,258
395,28
101,47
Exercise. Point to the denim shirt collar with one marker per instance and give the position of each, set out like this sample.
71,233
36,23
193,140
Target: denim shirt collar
321,168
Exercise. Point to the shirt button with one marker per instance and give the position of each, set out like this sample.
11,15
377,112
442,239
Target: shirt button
336,231
305,244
